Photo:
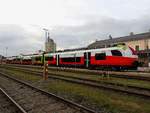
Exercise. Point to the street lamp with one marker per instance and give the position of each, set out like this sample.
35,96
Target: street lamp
46,33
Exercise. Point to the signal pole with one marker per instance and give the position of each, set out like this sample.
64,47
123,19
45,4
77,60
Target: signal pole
45,71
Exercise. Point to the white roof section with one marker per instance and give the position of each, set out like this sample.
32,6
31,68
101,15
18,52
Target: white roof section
36,55
50,54
90,50
27,57
10,58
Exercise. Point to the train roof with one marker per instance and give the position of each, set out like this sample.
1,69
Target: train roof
89,50
70,52
35,55
27,57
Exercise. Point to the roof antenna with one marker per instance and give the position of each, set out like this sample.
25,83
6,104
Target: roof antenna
131,33
96,40
110,37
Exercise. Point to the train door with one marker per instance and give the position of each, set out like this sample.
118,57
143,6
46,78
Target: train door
33,59
43,58
57,60
87,59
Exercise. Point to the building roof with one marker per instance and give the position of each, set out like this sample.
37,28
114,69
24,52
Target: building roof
132,37
1,56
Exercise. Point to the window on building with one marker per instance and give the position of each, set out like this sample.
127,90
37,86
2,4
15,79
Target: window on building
148,54
71,59
100,56
147,47
137,48
116,53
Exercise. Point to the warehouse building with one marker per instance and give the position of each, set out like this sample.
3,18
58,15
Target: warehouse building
1,59
140,42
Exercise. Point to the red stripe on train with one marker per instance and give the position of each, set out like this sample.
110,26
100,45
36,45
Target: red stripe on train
110,60
114,61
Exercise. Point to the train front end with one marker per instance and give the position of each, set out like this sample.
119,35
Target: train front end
130,57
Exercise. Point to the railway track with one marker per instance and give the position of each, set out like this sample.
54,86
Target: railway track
127,75
35,100
134,90
8,104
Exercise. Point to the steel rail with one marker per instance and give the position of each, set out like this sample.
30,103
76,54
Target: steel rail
71,103
13,101
38,66
93,83
125,75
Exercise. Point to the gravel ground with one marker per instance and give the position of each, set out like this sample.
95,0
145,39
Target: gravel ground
33,101
6,106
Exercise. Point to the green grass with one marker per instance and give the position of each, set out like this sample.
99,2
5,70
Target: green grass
108,101
23,76
125,82
101,78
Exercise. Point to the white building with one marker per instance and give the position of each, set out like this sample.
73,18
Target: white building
50,45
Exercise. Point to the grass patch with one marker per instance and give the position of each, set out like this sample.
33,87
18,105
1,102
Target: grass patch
107,101
21,75
100,78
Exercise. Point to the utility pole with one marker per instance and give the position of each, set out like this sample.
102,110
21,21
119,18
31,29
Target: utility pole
6,51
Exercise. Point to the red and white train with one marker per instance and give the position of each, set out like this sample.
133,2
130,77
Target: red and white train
117,58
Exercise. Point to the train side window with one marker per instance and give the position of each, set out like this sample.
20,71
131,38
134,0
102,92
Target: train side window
49,58
37,58
78,59
100,56
71,59
17,59
116,53
27,60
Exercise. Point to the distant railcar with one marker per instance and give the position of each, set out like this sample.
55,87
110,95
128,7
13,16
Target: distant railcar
14,60
26,60
37,59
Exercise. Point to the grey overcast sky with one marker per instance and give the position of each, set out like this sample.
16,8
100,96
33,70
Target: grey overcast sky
72,23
